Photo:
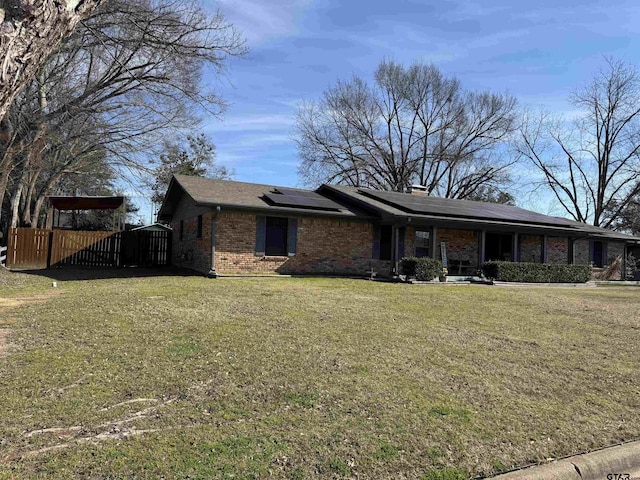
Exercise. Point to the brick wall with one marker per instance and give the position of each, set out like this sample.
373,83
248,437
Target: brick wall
461,245
409,242
324,246
558,250
190,251
581,252
530,248
335,246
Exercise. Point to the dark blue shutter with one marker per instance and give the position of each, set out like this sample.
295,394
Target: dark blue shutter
292,237
401,234
591,255
375,246
261,229
605,259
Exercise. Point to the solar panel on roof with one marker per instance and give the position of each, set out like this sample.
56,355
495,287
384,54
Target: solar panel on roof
446,207
302,201
297,193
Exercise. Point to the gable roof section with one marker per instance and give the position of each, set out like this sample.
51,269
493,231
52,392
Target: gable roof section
251,196
424,207
152,227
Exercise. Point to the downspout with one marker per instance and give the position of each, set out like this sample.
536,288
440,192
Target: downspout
212,234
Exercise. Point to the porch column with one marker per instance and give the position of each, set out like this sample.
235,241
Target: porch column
572,253
483,242
434,243
395,239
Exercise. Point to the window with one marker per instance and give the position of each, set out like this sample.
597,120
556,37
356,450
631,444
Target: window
181,229
423,243
276,236
385,242
498,246
199,226
597,254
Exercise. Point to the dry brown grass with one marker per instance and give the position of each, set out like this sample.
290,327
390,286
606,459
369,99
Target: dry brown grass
297,378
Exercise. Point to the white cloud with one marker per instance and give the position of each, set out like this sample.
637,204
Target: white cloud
244,143
261,21
245,123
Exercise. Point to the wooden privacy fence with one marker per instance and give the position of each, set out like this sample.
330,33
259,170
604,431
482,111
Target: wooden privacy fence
93,249
28,247
37,248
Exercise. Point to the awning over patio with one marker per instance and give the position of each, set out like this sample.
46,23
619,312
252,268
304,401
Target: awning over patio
86,203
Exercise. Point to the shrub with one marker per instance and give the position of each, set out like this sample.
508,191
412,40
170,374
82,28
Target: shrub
536,272
421,268
630,267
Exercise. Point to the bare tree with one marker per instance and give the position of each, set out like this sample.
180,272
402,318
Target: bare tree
412,126
129,76
30,31
628,220
592,163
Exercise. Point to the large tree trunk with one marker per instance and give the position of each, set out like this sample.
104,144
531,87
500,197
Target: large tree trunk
15,201
27,220
36,212
30,30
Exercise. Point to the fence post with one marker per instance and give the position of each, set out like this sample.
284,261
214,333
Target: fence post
50,241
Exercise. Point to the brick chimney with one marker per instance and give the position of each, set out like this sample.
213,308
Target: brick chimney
418,190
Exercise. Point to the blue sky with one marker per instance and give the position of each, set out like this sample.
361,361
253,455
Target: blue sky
537,51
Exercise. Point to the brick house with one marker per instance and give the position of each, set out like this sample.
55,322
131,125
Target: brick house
225,227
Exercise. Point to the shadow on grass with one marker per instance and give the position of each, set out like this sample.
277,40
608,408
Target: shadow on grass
99,273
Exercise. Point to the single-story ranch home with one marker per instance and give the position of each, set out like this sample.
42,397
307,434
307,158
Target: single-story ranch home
223,227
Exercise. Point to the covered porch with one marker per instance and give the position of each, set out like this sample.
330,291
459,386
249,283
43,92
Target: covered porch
464,250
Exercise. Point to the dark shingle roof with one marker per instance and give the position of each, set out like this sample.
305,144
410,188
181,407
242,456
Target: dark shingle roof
253,196
435,208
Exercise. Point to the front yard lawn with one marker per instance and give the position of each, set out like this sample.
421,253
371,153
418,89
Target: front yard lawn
185,377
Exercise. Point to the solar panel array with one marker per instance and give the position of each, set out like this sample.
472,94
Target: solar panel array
285,197
446,207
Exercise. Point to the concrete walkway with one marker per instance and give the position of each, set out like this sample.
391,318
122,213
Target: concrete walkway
621,462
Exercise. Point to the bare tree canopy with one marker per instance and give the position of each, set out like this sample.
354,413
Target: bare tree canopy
412,126
592,163
128,77
30,31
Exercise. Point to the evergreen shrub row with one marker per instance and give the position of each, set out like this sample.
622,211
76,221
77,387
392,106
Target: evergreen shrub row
536,272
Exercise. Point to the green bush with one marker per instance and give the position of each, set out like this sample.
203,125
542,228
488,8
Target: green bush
421,268
536,272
